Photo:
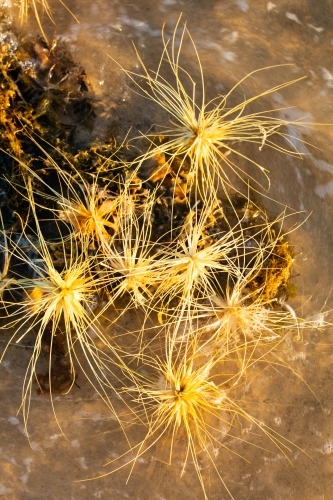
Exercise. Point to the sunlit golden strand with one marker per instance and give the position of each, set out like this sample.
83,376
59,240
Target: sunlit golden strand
248,261
45,7
248,319
61,296
131,260
54,287
243,328
194,252
24,9
77,320
90,211
179,296
259,247
91,220
180,397
190,266
199,132
212,124
195,117
168,414
187,289
5,281
97,378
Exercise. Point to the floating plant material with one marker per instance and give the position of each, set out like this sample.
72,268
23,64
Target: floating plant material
191,401
204,133
41,89
55,297
86,235
124,256
43,92
82,190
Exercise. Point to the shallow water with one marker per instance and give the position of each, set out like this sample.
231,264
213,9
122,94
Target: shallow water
233,38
